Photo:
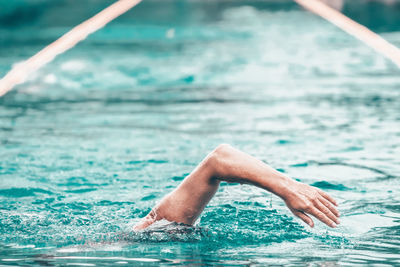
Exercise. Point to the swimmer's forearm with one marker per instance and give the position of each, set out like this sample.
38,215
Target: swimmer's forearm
235,166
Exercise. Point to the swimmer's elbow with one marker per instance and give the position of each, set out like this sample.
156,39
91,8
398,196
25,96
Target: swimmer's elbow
223,150
218,159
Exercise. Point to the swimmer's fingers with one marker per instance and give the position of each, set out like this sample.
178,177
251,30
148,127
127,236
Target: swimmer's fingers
321,216
328,197
324,209
304,217
330,206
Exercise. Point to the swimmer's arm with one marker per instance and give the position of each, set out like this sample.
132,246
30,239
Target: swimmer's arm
226,163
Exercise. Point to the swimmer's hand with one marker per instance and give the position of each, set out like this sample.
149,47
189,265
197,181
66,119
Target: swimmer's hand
225,163
303,199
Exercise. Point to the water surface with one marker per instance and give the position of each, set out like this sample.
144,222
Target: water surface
95,139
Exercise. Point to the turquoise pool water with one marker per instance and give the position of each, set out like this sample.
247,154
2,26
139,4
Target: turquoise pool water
93,140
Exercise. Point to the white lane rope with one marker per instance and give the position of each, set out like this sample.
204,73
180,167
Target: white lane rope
353,28
20,72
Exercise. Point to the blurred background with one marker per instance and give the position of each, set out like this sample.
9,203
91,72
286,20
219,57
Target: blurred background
92,141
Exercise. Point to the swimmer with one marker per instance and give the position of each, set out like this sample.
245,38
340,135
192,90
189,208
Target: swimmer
225,163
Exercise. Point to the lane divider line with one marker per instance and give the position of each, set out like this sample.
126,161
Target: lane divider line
353,28
20,72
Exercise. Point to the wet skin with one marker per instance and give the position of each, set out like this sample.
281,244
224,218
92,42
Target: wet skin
225,163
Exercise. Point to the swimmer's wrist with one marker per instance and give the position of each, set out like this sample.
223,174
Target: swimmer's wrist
282,186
